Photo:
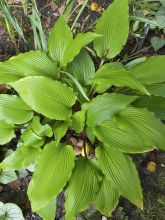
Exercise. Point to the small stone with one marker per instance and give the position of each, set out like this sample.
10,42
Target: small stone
151,166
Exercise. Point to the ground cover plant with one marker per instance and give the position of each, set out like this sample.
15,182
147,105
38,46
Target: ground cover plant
79,116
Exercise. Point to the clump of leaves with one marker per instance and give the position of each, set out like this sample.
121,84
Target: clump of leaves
88,119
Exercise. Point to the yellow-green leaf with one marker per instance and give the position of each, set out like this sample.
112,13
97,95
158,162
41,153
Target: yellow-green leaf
83,186
46,96
14,110
52,172
120,170
6,132
114,26
107,198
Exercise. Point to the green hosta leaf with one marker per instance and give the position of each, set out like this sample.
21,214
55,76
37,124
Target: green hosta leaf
114,26
7,176
107,198
121,172
78,121
157,43
154,104
105,106
78,85
35,133
8,73
126,141
60,37
116,74
143,123
76,45
60,129
6,132
10,211
35,63
39,129
157,89
20,159
31,139
56,162
83,186
102,88
82,67
48,211
46,96
90,134
151,71
14,110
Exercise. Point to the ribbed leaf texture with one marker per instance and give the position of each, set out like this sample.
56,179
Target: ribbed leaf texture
35,63
143,123
46,96
48,211
8,73
157,89
82,67
111,134
7,177
10,211
114,26
107,198
117,75
105,106
56,162
60,37
83,186
154,104
6,132
76,45
34,135
14,110
21,158
121,172
151,71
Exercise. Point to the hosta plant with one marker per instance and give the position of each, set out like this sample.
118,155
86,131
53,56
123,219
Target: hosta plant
78,117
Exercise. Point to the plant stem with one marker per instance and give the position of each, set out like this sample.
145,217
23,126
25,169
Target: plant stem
79,14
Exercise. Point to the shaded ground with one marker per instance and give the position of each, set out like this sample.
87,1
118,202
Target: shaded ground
153,183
